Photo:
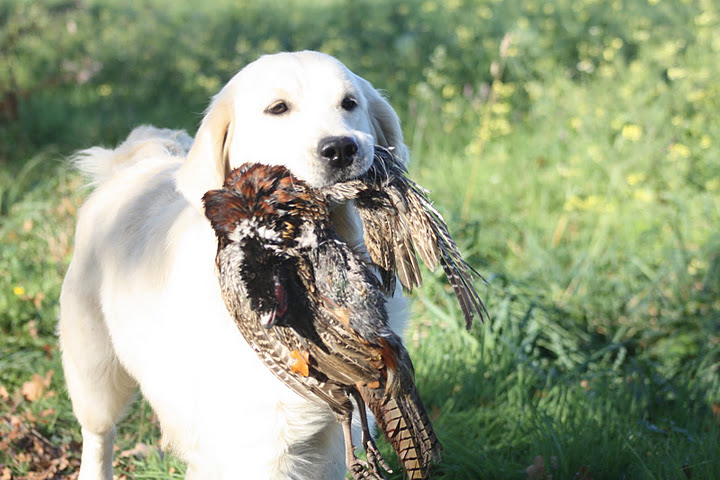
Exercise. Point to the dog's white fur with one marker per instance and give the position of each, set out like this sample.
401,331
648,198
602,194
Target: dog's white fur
141,306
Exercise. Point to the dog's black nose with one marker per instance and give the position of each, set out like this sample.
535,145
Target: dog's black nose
339,151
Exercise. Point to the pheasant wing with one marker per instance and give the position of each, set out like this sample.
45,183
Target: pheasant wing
401,223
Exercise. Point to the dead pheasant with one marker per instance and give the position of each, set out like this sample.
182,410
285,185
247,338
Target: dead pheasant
398,220
315,314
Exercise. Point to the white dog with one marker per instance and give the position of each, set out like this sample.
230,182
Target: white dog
141,305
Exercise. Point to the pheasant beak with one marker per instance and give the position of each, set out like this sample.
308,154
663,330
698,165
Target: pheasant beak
268,319
277,315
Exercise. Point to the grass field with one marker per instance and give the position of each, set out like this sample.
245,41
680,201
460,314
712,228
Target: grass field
573,147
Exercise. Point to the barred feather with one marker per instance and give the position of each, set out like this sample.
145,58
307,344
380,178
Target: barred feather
273,346
403,419
401,223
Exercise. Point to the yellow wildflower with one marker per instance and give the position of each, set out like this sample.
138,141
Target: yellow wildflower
643,195
713,185
429,7
501,108
635,178
679,150
676,73
695,266
449,91
631,132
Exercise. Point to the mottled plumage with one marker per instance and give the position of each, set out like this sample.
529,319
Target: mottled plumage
398,220
315,313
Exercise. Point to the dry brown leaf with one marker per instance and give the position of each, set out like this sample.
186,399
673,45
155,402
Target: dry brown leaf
38,301
47,412
4,395
25,443
536,471
68,206
34,388
32,329
140,450
583,473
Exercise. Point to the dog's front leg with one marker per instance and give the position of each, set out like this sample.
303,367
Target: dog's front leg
97,456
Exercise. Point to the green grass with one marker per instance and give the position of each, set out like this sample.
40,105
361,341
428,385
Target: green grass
580,174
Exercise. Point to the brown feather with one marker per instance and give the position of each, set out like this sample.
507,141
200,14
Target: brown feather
400,223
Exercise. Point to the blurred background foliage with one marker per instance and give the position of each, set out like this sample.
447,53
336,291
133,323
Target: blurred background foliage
572,146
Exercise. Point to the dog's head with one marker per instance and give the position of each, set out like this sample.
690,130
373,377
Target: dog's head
303,110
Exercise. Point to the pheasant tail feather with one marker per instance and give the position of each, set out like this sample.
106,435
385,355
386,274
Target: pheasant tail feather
405,423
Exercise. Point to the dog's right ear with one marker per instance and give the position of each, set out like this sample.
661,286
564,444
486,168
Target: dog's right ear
208,162
384,120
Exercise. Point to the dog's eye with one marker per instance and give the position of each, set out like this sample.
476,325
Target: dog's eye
277,108
349,103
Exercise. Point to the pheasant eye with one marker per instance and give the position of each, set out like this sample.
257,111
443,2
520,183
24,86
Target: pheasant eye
349,104
277,108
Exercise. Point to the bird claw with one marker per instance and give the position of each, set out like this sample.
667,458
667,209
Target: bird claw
362,470
373,467
374,457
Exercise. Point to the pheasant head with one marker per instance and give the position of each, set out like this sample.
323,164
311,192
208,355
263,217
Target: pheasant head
266,218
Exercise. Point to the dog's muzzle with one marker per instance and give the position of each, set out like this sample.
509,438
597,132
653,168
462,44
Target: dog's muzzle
340,152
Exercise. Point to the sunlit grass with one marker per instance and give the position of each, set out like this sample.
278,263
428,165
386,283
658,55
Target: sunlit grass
576,164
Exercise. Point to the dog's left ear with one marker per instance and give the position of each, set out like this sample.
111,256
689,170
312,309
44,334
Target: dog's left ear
385,122
207,162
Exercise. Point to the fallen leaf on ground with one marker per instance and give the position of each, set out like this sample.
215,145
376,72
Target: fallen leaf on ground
23,441
140,450
536,471
33,329
34,388
583,473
